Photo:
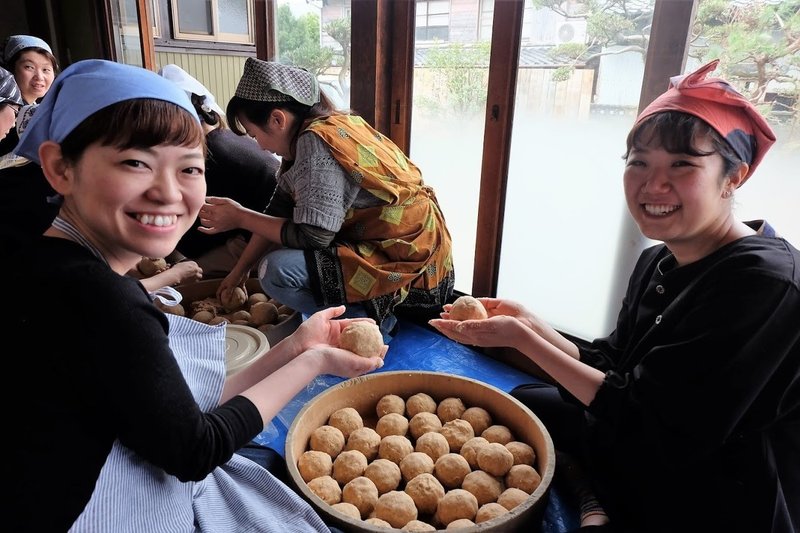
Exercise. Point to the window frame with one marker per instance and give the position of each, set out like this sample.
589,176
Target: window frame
216,36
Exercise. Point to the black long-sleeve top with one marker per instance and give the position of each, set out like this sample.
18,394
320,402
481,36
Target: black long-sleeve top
699,412
95,366
237,168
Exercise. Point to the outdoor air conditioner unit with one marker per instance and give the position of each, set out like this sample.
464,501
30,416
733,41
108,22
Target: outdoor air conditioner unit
571,31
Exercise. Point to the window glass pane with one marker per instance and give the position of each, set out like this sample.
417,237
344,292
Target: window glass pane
194,16
447,130
565,214
125,25
740,34
439,7
233,17
316,35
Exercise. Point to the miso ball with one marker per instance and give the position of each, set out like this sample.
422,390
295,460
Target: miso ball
470,450
385,474
366,440
498,433
348,465
457,503
390,403
478,417
396,507
392,424
450,409
414,464
418,525
362,493
346,419
347,509
489,511
524,454
263,313
426,491
362,338
484,486
419,403
457,432
313,464
523,477
433,444
495,459
327,439
461,523
467,308
327,489
511,497
377,522
233,299
424,422
451,469
257,297
394,448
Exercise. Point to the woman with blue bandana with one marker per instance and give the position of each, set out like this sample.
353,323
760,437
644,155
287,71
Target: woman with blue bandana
687,416
145,440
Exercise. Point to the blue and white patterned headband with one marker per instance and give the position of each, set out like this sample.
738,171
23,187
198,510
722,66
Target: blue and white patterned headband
85,88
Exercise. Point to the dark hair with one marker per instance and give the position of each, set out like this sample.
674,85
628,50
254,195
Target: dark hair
258,112
139,123
12,63
677,133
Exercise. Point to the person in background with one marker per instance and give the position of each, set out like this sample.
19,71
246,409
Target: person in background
125,149
236,168
10,102
687,416
28,202
355,221
34,67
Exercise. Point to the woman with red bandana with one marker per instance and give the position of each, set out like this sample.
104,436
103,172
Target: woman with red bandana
687,416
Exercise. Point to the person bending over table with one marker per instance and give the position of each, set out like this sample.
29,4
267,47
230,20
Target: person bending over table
687,416
124,148
352,219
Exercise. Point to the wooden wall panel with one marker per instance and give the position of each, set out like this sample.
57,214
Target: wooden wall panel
219,73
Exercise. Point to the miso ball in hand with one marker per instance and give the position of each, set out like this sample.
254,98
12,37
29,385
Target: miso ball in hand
467,308
233,299
362,338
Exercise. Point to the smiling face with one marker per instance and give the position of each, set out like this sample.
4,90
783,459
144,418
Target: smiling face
134,202
34,73
680,198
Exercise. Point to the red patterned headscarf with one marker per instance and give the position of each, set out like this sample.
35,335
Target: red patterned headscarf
716,102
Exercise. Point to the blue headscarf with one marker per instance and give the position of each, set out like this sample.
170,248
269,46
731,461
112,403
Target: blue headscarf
85,88
17,43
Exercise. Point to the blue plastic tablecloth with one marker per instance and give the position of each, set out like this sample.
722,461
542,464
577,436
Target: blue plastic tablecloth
418,348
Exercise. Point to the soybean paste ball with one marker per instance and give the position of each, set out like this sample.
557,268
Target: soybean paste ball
362,338
467,308
346,420
327,439
313,464
366,440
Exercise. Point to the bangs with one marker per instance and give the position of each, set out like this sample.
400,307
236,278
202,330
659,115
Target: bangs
672,131
141,123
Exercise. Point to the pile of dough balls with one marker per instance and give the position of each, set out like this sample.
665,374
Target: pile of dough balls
256,310
418,464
